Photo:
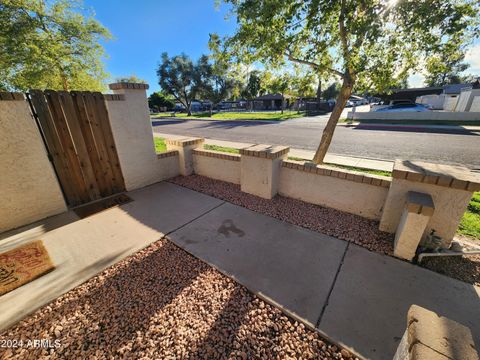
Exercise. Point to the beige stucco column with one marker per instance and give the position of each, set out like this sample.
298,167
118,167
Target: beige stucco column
416,214
185,148
451,188
260,169
432,336
132,132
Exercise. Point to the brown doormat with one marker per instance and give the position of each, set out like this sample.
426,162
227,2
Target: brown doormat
22,265
93,208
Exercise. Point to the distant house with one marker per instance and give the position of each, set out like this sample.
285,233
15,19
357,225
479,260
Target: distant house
271,102
312,104
411,94
232,105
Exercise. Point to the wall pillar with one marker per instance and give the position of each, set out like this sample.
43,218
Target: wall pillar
185,147
451,188
430,336
415,217
132,132
260,169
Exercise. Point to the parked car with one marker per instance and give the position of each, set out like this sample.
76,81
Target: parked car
358,102
403,108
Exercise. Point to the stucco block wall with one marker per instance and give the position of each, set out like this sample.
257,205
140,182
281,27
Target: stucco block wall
475,104
450,204
28,185
132,131
215,165
436,101
457,115
466,98
450,103
167,164
354,197
259,176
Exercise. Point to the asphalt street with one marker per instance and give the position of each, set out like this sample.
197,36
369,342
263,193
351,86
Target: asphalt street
461,147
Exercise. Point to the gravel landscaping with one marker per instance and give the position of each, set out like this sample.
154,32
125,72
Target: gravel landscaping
163,303
328,221
465,268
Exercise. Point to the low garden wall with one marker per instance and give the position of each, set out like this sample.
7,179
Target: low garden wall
217,165
264,171
348,191
464,116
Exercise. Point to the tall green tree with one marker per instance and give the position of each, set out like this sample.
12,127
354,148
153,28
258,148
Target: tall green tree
281,85
131,79
50,44
373,42
447,66
180,77
253,85
158,100
218,85
332,91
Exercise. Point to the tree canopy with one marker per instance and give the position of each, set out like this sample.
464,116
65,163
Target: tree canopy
180,77
130,79
50,44
158,100
370,43
447,66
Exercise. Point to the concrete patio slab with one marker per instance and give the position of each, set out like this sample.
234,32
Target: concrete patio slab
85,247
368,307
288,265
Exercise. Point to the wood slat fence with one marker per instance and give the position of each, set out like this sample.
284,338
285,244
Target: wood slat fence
76,130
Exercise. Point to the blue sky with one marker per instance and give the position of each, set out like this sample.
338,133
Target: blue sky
143,29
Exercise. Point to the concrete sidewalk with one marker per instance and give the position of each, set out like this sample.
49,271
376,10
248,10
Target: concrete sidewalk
356,297
372,164
351,295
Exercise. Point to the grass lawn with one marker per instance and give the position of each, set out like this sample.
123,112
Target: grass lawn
221,149
470,223
244,115
367,171
160,145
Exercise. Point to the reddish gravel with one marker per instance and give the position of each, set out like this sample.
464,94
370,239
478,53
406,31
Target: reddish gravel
328,221
458,267
163,303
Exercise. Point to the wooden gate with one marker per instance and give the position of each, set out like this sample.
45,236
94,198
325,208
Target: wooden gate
76,130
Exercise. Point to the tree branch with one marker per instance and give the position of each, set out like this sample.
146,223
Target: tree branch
313,64
343,34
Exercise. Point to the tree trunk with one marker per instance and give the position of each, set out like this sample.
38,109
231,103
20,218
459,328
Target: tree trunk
327,135
319,91
189,109
64,81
